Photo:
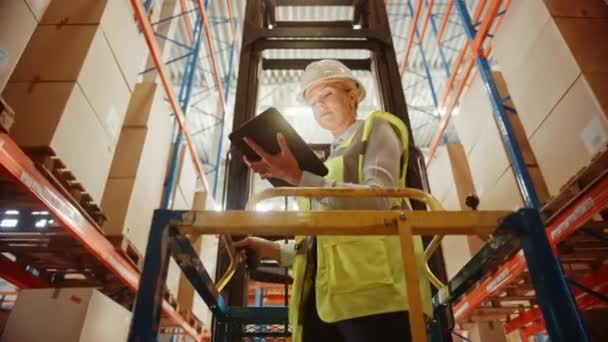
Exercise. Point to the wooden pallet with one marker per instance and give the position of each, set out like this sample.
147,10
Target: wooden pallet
586,177
57,173
128,250
7,116
58,257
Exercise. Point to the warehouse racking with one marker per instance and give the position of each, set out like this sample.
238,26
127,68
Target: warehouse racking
565,217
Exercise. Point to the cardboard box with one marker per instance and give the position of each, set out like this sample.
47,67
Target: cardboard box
55,53
38,7
475,115
147,112
66,315
117,19
17,24
84,12
146,97
572,134
78,53
129,210
125,40
504,195
449,171
57,115
578,8
519,30
476,111
476,125
564,49
135,185
128,152
488,160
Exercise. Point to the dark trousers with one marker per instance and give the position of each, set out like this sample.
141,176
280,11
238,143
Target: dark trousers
383,327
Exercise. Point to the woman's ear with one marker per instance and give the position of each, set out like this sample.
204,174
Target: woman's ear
354,96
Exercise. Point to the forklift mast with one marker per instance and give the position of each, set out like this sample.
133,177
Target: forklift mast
368,30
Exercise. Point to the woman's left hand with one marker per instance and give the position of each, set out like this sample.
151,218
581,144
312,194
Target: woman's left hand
282,165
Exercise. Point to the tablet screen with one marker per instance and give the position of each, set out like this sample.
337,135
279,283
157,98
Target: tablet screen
263,130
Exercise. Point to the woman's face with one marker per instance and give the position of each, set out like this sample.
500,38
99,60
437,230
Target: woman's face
333,106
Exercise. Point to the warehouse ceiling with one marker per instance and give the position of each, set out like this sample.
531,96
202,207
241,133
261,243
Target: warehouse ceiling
278,87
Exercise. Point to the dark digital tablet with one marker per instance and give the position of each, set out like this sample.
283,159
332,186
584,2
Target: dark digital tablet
263,130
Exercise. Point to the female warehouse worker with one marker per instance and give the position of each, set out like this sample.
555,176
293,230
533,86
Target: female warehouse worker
348,288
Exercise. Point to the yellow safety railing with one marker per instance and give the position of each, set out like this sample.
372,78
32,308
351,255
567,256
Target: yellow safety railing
404,223
408,193
311,193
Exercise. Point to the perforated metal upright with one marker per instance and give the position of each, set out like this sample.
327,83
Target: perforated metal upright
368,30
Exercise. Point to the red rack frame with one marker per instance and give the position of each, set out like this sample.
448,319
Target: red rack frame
565,224
21,168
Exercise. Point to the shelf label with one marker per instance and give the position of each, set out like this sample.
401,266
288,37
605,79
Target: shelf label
493,285
54,201
577,213
462,309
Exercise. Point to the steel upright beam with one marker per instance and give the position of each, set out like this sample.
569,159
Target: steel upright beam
562,318
185,93
238,178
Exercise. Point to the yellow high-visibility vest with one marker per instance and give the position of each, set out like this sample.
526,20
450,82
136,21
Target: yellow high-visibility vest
356,275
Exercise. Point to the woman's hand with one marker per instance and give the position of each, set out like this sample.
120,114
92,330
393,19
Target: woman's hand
282,165
264,249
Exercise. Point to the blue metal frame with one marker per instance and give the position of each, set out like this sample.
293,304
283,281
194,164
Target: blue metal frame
192,67
522,175
148,302
557,303
164,242
185,93
444,62
218,157
424,60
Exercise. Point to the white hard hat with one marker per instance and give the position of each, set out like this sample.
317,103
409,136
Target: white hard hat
326,70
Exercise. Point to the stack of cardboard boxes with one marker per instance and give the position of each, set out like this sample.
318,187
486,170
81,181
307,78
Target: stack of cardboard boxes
135,184
17,23
71,86
553,57
490,165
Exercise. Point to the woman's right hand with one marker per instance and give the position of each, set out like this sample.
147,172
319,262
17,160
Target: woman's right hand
264,249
